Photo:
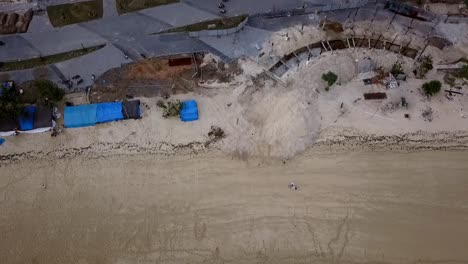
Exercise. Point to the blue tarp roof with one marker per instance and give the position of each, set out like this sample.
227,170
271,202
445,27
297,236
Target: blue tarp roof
108,112
80,116
189,111
26,119
90,115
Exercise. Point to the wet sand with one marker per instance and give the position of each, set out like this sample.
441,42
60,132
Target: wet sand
368,207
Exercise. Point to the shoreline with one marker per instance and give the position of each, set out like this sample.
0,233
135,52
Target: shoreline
338,143
408,207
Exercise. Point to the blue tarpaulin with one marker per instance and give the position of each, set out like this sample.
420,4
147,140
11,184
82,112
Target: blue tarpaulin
189,111
2,140
80,116
26,119
90,115
108,112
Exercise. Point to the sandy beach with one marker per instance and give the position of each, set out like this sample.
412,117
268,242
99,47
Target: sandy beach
380,181
359,207
374,187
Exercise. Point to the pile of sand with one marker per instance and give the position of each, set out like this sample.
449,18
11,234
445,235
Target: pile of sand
456,33
283,121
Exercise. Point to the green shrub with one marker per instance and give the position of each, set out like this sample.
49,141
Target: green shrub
425,65
10,106
49,91
397,68
463,72
330,78
431,88
449,79
170,108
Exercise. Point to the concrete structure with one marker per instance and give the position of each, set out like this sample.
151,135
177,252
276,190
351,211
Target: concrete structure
128,34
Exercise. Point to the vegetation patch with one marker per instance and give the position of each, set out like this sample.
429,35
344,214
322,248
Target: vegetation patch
424,66
125,6
10,105
41,61
49,93
216,133
397,68
463,72
457,78
66,14
330,78
222,23
431,88
170,109
449,79
39,92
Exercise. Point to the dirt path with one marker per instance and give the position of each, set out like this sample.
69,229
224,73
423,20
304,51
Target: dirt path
351,208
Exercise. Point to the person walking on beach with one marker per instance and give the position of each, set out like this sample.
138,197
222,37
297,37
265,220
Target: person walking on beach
293,186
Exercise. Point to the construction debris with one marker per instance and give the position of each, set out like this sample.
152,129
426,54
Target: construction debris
329,25
439,42
216,133
366,65
375,96
11,23
423,67
427,114
453,92
400,77
391,82
404,103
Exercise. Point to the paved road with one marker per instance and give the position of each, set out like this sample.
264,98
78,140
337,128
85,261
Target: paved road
24,46
40,23
125,34
44,40
179,14
246,42
29,74
128,33
7,7
237,7
125,28
88,65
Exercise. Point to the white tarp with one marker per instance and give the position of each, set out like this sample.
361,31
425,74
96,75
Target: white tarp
33,131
